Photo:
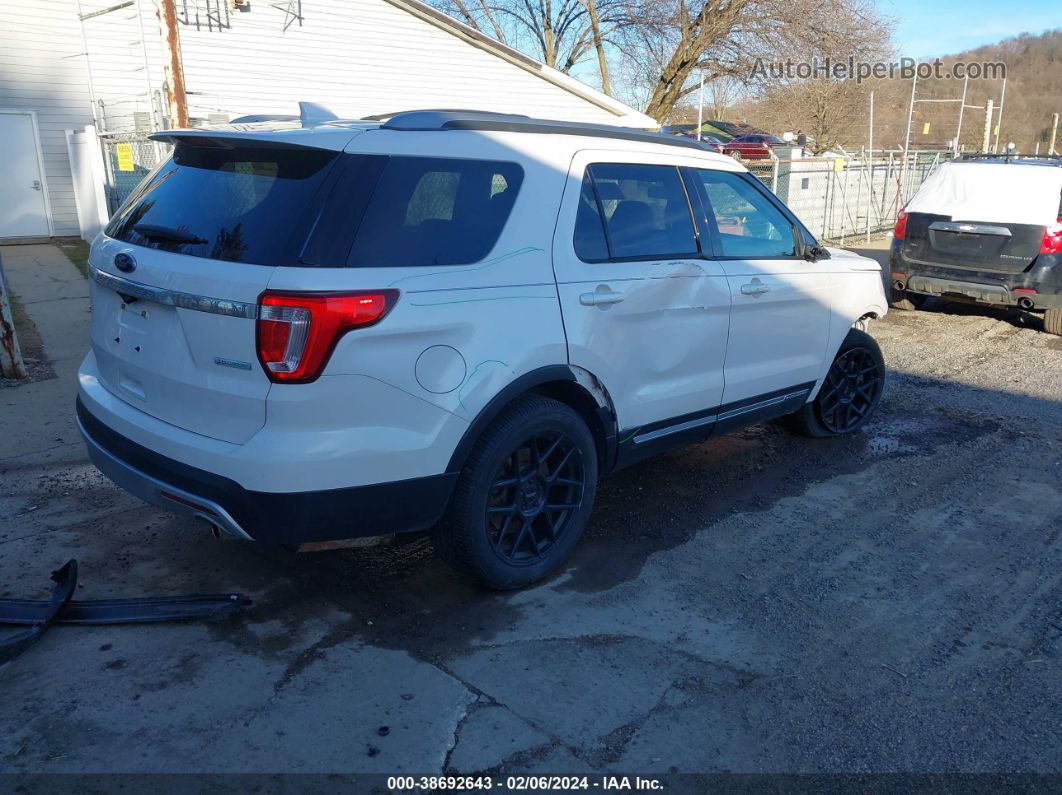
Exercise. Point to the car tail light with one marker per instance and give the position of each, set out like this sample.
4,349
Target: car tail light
1052,238
1024,291
296,332
900,229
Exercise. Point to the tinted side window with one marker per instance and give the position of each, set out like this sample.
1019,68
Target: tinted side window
435,211
239,205
749,224
646,211
590,245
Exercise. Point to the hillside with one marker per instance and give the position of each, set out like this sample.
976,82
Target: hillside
838,112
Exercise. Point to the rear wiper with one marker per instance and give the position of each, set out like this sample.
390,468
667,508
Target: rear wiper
166,233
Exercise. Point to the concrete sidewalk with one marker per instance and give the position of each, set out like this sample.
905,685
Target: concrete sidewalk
37,419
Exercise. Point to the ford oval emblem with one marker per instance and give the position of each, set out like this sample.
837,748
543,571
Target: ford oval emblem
125,263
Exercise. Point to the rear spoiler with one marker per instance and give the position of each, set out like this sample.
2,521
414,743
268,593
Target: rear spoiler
310,115
292,138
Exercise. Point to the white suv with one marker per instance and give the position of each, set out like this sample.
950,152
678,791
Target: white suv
452,321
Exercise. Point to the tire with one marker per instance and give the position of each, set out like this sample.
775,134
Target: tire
907,301
850,392
1053,321
500,529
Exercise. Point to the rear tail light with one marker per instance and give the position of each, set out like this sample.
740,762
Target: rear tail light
1052,238
900,229
297,332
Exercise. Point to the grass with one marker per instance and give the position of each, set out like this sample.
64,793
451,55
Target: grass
77,252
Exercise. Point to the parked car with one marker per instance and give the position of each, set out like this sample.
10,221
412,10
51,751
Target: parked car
711,141
752,147
455,322
984,230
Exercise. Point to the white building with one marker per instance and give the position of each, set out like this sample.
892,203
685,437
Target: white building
65,64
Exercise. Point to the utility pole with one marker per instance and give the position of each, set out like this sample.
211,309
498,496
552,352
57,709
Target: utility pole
962,107
999,123
870,127
176,100
901,179
988,126
1054,133
910,118
700,108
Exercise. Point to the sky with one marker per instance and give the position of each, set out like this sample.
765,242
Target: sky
926,28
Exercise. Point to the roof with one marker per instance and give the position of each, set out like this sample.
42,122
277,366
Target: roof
1012,160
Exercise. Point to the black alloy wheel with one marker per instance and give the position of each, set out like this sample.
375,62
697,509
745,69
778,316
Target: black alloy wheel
850,391
533,498
524,495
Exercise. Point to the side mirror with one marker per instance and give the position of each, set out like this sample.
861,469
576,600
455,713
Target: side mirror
812,253
815,253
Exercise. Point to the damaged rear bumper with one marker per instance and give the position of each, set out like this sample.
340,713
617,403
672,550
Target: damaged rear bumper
287,518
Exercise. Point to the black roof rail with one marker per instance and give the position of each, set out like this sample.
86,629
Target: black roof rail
438,120
456,111
1006,157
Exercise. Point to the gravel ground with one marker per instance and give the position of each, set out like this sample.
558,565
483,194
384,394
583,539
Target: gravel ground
763,602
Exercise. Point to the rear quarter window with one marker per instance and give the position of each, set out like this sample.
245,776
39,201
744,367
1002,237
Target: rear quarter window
237,205
435,211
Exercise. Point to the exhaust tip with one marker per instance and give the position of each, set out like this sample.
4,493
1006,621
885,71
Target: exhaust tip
900,285
1025,303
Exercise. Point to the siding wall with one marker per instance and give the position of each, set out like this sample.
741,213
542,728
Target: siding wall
41,69
356,57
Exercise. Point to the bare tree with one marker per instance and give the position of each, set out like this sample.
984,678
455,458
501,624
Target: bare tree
559,32
674,39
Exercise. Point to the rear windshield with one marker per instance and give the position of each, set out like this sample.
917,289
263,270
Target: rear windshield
236,205
258,205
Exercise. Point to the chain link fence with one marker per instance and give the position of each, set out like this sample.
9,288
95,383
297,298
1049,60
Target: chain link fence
128,158
839,198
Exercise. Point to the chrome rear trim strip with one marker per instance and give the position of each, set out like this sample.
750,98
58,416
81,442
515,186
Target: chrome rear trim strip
159,295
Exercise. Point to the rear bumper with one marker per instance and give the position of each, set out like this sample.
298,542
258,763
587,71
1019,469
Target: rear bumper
283,518
983,287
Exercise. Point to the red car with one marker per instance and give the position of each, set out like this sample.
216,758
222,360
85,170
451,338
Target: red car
754,146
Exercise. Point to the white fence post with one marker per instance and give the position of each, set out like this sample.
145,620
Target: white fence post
89,175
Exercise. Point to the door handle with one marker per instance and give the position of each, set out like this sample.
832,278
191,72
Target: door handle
600,299
755,287
36,184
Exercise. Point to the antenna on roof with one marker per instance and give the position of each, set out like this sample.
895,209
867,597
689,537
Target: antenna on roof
311,113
